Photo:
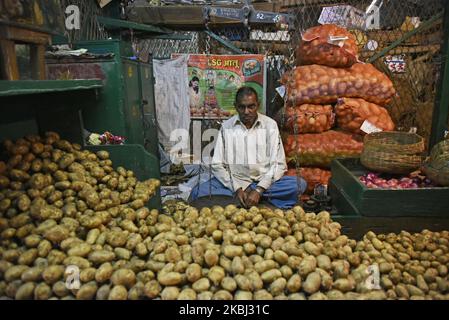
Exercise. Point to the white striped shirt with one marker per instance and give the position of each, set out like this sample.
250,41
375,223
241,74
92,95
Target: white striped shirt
243,156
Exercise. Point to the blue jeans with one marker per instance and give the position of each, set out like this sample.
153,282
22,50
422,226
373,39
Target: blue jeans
282,194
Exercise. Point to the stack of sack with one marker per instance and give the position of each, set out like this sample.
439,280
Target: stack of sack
332,101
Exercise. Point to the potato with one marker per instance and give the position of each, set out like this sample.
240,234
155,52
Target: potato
222,295
271,275
101,256
169,279
402,292
414,291
216,274
307,265
312,283
324,262
211,258
52,274
237,266
312,249
136,292
123,277
262,295
278,286
118,292
231,251
229,284
28,257
443,285
116,238
77,261
201,285
264,266
25,292
297,296
170,293
343,285
243,295
57,234
15,272
294,283
152,289
122,253
193,272
187,294
341,269
80,250
33,274
281,257
87,275
60,289
42,292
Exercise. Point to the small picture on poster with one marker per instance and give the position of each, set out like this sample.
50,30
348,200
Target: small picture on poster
215,79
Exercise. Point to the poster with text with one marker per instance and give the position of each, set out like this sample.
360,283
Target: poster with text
215,79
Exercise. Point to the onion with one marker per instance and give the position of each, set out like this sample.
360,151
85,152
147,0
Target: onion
383,185
404,185
378,181
371,176
392,183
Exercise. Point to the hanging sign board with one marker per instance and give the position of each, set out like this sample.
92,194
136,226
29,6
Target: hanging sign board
215,79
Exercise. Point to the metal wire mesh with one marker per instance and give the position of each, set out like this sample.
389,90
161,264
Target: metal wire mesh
413,63
164,48
416,60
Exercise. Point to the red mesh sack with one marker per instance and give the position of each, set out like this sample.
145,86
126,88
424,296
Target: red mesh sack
319,150
306,118
328,45
323,85
352,113
313,177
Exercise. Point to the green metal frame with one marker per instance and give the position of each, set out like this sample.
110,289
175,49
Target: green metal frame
22,87
441,109
117,24
224,42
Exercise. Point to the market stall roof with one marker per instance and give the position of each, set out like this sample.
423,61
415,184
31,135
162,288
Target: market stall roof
22,87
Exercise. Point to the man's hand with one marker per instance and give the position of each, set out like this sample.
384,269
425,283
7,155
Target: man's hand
241,195
253,198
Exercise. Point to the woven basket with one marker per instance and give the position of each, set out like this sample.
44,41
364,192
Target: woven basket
395,142
439,176
437,167
392,152
390,163
440,153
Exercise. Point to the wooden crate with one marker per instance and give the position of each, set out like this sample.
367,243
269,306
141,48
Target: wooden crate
9,37
351,197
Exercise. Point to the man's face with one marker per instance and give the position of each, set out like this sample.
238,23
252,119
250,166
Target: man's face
195,84
247,109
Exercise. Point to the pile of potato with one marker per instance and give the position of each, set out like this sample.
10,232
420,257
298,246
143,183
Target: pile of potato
74,211
62,206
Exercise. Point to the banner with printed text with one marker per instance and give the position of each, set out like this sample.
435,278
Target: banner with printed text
215,79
